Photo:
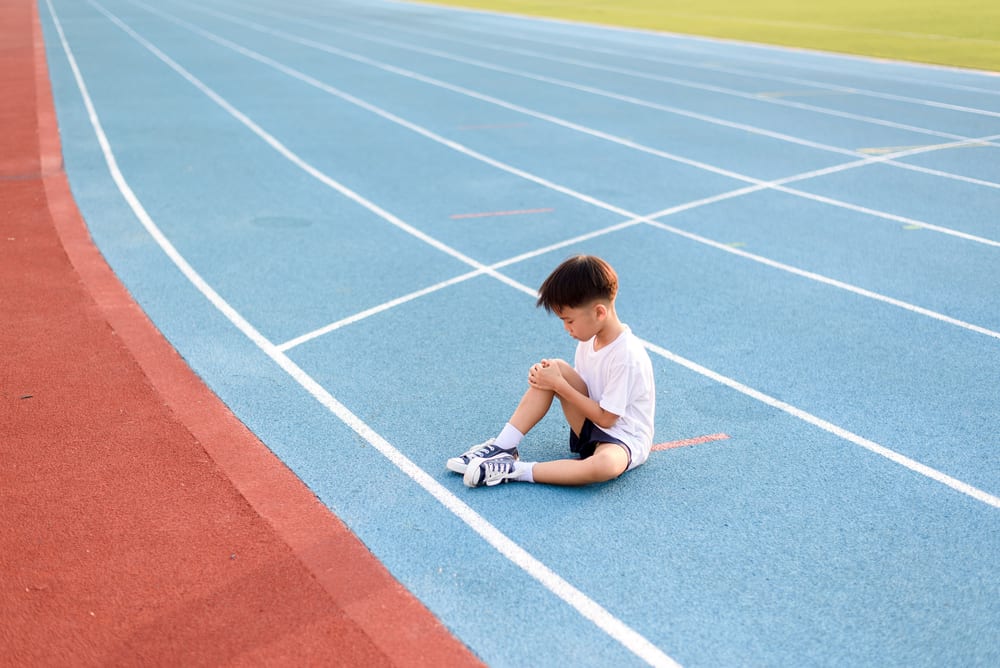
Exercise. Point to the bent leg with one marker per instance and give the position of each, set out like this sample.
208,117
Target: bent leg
536,403
573,416
608,462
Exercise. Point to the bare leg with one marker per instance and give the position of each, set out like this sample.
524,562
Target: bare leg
608,462
536,403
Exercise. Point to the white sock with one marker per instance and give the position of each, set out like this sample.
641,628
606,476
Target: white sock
509,437
523,471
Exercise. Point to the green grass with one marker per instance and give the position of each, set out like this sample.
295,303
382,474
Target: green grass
962,33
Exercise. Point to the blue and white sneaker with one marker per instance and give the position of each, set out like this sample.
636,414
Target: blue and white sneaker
487,450
489,472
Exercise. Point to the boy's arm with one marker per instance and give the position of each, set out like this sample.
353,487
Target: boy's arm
590,408
547,376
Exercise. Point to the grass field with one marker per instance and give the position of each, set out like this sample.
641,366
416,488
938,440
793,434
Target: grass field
963,33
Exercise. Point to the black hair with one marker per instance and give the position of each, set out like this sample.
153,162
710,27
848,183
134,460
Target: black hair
578,281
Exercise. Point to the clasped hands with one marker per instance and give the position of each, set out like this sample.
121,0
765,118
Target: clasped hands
545,375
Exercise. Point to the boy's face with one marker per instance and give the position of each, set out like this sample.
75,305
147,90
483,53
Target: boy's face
582,322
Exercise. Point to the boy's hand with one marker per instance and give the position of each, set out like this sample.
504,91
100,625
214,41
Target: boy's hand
545,376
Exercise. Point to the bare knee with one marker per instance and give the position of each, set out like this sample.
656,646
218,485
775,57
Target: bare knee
574,379
608,462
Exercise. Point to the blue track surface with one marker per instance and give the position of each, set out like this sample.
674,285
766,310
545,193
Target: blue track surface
810,244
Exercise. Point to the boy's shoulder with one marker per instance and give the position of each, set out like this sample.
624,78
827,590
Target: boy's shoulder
628,346
634,353
631,341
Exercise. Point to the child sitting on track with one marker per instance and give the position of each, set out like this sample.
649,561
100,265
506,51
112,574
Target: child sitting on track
607,396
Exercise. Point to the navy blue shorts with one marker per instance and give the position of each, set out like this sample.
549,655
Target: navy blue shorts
590,437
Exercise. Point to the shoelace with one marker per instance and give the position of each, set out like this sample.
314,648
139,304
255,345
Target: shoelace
496,468
479,451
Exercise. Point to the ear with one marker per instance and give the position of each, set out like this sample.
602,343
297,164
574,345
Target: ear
601,311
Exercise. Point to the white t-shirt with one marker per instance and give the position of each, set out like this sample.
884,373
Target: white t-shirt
619,377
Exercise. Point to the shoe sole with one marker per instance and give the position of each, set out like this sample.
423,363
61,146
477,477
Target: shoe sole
465,479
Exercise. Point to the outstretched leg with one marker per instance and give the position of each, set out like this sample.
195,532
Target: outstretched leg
607,463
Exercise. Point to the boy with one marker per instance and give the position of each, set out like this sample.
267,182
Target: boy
607,396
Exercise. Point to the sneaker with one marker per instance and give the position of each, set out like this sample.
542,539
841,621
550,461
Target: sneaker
487,450
489,472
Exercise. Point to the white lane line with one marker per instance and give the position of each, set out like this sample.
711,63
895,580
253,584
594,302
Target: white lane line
552,581
892,455
586,198
732,70
562,122
743,127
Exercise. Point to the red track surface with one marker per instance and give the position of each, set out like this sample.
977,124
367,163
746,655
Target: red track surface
140,522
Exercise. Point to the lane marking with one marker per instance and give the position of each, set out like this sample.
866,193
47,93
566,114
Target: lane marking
491,214
614,627
690,441
493,126
798,93
882,150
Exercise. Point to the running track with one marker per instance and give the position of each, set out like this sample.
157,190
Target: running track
335,213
